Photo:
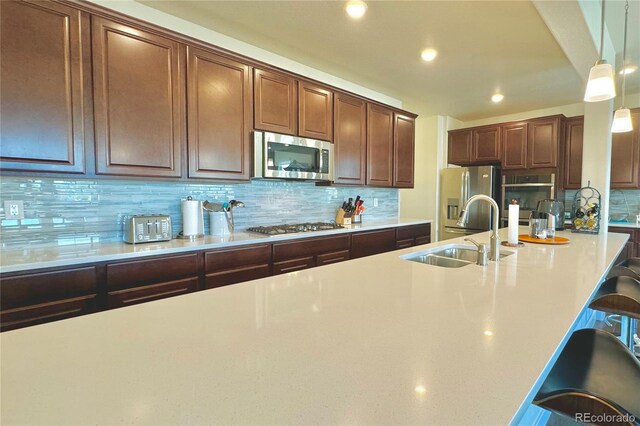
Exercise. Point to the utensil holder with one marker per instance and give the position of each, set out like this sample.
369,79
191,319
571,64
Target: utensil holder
218,224
356,218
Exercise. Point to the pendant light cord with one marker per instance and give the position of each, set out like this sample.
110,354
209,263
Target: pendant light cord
601,29
624,51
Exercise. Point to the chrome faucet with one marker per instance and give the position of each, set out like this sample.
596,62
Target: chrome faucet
494,249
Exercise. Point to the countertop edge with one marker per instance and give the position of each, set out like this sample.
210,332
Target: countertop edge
164,248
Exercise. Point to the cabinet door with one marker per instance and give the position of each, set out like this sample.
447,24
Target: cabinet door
379,146
219,116
315,112
372,242
543,142
275,102
486,144
350,139
514,146
139,101
147,271
404,135
459,150
625,156
44,78
573,152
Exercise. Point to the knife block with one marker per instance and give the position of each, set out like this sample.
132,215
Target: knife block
341,219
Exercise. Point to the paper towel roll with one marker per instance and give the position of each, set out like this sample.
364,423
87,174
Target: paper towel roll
192,220
514,218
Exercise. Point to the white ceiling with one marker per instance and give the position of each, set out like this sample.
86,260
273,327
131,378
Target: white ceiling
484,47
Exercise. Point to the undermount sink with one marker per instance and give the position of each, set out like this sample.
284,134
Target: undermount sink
453,256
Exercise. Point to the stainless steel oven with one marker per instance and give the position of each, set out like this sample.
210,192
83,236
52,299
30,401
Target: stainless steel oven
527,190
278,156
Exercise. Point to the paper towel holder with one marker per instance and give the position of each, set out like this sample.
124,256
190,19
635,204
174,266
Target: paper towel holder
195,216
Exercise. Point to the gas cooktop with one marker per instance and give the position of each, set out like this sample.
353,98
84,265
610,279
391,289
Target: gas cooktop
293,228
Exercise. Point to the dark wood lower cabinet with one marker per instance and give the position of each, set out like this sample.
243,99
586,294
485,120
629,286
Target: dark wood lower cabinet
629,249
31,299
35,298
148,293
293,265
235,265
372,242
309,252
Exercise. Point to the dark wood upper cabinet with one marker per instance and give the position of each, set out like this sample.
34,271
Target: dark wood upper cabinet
219,116
625,156
403,150
543,142
275,102
573,134
459,149
486,144
350,139
44,78
315,112
379,146
514,146
139,101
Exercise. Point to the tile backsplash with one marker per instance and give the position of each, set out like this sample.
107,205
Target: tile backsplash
73,211
620,201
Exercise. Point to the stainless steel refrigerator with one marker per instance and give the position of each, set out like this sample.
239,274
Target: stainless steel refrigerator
457,185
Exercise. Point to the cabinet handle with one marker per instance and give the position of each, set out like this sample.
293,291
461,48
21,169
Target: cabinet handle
294,268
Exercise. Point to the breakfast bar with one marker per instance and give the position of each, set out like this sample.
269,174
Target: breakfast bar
375,340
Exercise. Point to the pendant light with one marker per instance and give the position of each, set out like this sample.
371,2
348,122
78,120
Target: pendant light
622,117
600,86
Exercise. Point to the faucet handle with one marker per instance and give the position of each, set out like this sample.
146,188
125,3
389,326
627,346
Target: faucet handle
477,244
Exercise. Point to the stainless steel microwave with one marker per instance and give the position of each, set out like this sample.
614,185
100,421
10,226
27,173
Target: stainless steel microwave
279,156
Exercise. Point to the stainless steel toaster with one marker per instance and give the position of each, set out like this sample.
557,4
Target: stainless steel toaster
146,228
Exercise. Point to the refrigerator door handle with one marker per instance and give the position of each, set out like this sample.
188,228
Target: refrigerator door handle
467,183
462,190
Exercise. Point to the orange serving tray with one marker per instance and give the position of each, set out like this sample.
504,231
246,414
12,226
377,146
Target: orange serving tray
555,240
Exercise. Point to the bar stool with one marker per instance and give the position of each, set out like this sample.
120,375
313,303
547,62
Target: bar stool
595,374
619,296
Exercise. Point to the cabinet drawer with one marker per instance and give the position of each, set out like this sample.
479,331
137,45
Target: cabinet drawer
412,231
238,275
12,319
406,243
116,299
232,259
372,242
327,258
310,247
132,274
423,240
33,289
293,265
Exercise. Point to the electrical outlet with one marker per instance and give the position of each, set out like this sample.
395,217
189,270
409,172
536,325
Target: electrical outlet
375,202
13,209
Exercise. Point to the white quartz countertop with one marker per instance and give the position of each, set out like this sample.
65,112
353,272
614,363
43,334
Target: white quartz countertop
625,224
375,340
49,256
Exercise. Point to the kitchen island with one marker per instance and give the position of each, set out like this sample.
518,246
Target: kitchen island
372,340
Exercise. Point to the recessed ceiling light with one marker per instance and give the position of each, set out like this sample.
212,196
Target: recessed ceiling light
356,8
498,97
420,390
628,69
488,333
428,54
